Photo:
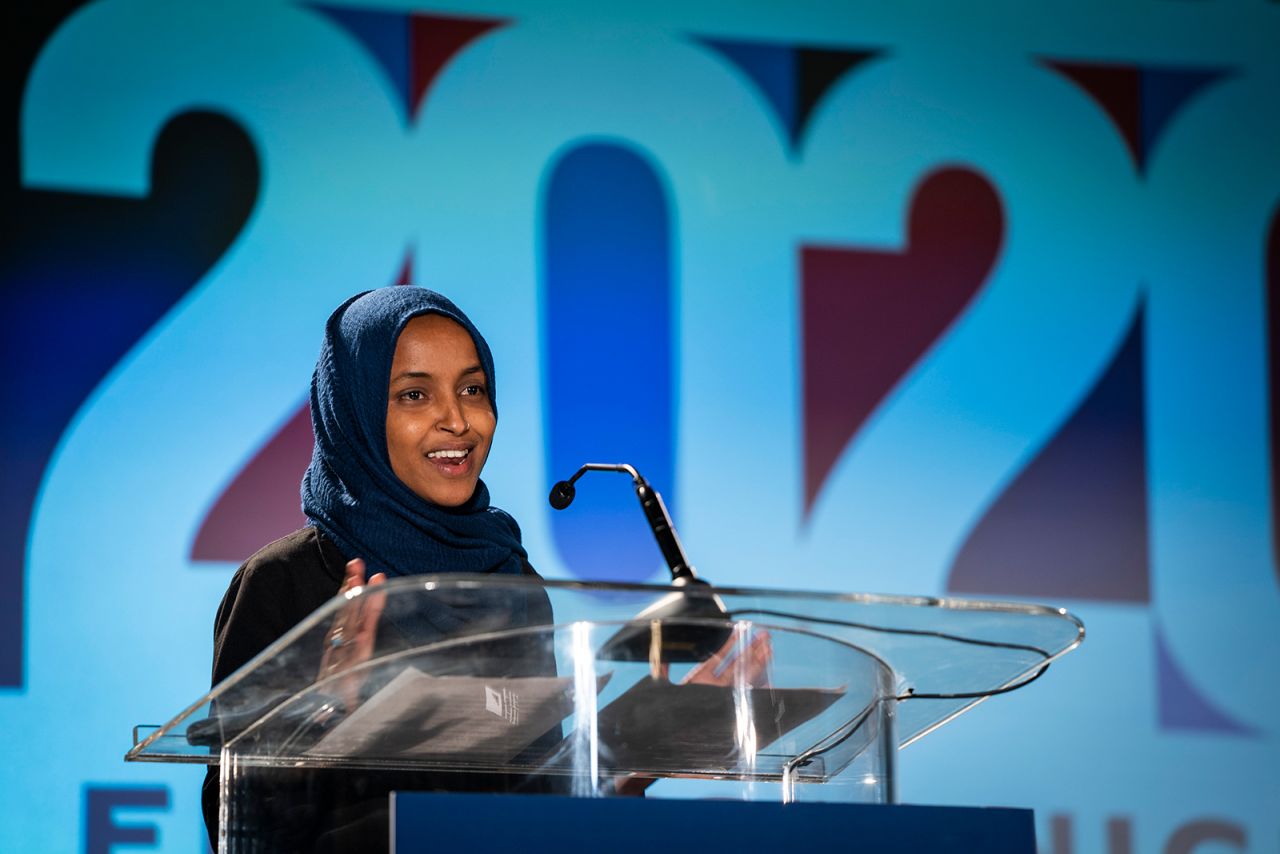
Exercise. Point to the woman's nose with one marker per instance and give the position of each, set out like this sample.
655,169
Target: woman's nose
452,419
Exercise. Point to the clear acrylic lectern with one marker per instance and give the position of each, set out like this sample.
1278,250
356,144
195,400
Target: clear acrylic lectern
592,690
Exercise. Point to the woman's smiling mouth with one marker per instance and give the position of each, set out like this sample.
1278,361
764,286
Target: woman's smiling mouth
451,462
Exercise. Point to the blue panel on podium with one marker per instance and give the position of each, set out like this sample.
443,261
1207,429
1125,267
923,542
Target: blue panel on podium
501,824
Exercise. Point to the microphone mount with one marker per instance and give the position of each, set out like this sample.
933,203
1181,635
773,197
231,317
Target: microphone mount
655,511
696,621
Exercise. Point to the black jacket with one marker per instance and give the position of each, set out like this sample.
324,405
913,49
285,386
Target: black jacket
273,591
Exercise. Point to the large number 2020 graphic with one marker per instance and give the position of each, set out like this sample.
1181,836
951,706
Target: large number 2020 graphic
778,208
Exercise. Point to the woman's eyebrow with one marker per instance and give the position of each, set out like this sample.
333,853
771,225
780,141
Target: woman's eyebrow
424,375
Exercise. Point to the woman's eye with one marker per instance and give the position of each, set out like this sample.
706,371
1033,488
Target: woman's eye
411,394
475,391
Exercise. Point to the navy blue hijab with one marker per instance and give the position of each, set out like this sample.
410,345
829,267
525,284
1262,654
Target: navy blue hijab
350,492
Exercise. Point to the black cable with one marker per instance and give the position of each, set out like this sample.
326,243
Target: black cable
887,630
911,693
854,725
974,695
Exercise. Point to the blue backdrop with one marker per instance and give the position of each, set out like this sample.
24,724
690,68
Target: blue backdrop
941,298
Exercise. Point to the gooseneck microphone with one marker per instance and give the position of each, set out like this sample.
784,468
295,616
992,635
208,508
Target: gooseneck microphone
697,625
655,512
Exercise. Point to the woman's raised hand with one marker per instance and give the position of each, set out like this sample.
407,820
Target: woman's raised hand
355,628
732,665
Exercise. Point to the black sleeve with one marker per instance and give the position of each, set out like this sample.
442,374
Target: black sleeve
251,617
270,594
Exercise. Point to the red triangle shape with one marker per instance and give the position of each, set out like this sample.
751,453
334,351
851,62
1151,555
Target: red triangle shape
262,504
405,276
1117,90
433,41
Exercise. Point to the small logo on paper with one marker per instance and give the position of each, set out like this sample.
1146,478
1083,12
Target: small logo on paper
503,703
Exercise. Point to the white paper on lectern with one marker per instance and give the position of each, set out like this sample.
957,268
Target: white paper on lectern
423,716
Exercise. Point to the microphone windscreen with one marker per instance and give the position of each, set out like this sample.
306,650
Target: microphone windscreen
561,495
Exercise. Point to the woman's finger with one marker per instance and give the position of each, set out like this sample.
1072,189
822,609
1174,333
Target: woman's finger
346,622
371,605
759,656
354,576
731,663
377,598
706,671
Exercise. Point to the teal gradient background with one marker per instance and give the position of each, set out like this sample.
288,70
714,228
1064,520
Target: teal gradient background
159,376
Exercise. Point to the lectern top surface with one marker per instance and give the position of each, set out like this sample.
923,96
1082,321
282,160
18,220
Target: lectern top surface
465,671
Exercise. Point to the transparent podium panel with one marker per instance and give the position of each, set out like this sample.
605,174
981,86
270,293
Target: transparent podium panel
460,683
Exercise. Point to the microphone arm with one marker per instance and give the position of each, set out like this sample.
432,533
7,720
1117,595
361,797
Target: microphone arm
655,512
696,621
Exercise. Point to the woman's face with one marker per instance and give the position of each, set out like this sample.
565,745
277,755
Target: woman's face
439,419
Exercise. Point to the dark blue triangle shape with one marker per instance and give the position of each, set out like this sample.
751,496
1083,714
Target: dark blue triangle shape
1165,91
1073,523
1181,705
772,68
385,35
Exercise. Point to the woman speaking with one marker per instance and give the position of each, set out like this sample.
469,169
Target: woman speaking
403,407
